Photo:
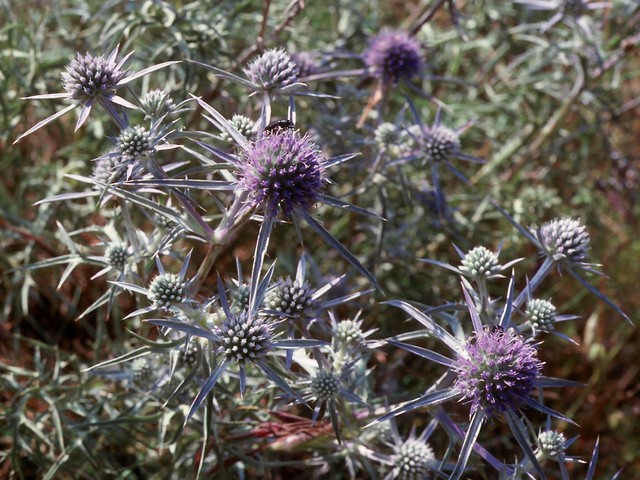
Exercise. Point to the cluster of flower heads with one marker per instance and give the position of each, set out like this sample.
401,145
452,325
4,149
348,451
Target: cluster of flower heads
282,173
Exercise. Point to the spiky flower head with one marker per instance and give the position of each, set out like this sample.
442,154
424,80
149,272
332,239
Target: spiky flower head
551,444
441,143
157,103
565,239
273,70
242,124
240,296
89,76
348,333
135,142
325,385
290,298
306,62
245,338
393,55
166,290
283,171
480,262
541,314
413,460
497,371
107,168
117,255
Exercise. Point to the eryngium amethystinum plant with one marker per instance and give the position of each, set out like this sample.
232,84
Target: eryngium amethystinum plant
242,239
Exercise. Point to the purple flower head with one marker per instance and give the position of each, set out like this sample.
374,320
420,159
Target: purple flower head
89,76
273,70
497,371
283,171
565,239
393,55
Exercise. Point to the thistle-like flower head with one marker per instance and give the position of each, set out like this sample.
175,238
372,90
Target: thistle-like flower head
116,255
541,314
413,460
392,56
291,298
325,385
480,262
273,70
242,124
240,296
89,76
157,103
166,290
245,338
135,142
441,144
348,333
283,171
565,239
552,444
497,371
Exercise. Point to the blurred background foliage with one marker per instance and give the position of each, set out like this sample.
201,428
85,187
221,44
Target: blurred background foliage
555,116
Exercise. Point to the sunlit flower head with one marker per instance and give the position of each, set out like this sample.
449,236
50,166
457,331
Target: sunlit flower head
244,125
157,103
481,262
135,142
291,298
497,371
89,76
273,70
552,445
117,255
541,314
244,338
166,290
565,239
283,172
